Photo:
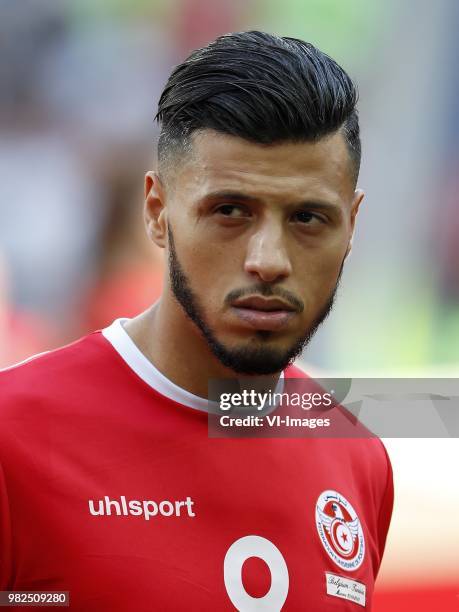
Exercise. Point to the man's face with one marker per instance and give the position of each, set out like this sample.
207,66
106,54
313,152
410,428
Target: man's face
257,239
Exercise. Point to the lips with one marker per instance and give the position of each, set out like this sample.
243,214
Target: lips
269,314
264,304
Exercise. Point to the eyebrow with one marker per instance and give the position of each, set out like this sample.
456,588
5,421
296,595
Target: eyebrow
243,198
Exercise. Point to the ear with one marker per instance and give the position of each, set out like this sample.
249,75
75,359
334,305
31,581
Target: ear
356,201
155,209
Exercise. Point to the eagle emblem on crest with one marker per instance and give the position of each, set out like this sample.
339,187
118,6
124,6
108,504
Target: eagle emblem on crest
340,530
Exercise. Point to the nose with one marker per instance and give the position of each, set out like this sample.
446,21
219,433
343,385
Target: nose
267,257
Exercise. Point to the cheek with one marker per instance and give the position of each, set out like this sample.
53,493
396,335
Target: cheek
325,256
318,272
209,262
212,269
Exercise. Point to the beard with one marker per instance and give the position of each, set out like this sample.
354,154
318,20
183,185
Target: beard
255,357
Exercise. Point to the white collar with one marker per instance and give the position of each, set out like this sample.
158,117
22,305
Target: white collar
143,367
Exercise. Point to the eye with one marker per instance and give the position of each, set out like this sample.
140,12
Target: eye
232,211
306,217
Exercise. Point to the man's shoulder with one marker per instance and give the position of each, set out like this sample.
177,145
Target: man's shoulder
52,372
352,434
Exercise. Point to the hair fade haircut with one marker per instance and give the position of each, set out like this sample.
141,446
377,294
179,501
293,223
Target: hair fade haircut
261,87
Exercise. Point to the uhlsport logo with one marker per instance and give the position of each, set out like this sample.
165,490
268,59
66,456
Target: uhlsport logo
340,530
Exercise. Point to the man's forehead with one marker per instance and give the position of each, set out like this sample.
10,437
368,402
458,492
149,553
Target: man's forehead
221,161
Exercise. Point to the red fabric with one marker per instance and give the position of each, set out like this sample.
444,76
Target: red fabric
77,424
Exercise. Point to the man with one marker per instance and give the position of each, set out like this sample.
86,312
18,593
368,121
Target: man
111,488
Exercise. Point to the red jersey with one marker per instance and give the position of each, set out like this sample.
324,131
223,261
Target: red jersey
111,489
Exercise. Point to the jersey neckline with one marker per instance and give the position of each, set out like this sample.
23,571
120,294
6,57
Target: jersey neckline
123,344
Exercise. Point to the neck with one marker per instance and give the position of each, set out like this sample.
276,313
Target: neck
175,346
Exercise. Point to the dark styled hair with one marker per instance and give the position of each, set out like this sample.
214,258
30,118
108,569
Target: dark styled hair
261,87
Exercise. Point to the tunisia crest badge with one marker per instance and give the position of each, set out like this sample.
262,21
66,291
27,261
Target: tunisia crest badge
340,530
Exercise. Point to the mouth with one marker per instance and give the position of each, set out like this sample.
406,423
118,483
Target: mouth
269,314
